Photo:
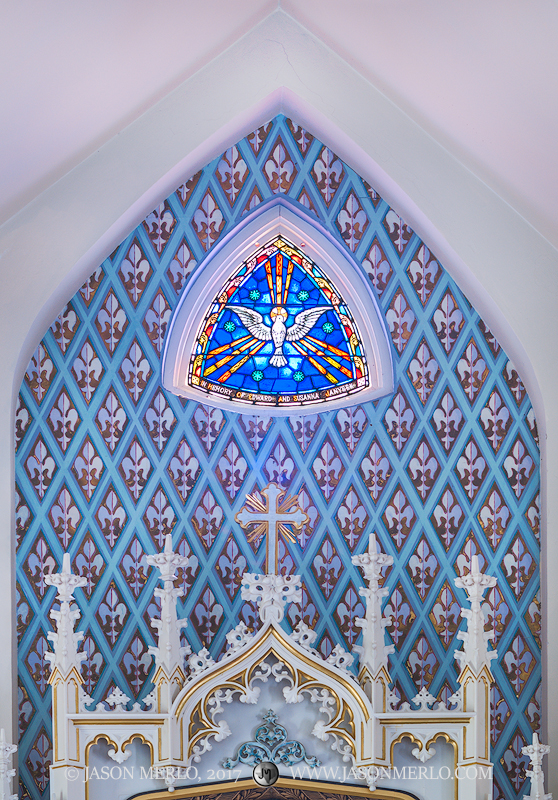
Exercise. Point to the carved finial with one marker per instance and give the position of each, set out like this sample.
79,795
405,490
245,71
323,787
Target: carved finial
374,651
475,653
6,773
536,751
65,642
169,655
271,592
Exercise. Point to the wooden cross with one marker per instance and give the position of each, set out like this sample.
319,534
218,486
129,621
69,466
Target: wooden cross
271,519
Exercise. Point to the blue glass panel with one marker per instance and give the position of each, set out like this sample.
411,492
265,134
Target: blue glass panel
279,333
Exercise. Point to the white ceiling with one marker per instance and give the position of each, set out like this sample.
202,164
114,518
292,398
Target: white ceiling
480,76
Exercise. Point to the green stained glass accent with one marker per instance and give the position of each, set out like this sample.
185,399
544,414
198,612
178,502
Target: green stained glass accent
279,304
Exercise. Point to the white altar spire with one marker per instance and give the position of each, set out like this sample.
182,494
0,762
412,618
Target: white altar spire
65,642
475,653
374,651
169,655
536,751
6,772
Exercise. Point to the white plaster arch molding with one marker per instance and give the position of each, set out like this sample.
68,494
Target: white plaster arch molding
277,217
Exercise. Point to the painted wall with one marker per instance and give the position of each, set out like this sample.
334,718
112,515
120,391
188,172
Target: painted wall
505,267
108,462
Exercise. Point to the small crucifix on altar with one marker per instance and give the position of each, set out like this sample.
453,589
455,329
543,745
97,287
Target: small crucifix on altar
275,517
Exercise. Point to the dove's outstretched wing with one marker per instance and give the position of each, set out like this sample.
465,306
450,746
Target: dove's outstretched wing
304,322
253,321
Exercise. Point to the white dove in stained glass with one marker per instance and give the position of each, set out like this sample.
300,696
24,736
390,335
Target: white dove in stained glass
278,331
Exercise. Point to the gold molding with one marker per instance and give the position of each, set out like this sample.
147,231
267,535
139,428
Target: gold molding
271,633
143,740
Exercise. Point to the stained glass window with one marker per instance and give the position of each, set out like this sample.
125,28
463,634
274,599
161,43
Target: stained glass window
278,334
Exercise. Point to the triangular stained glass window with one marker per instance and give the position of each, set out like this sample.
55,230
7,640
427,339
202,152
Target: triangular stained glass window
279,334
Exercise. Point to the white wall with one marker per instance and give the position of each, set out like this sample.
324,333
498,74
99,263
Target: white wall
506,269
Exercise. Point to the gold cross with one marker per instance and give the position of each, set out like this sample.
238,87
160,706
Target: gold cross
271,519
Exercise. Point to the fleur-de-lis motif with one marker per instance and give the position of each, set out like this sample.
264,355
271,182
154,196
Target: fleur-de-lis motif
399,517
159,420
208,518
40,467
519,467
88,371
181,267
135,272
40,373
63,420
111,420
401,320
111,322
423,567
423,469
471,369
279,169
447,517
135,468
328,468
255,429
111,516
207,616
231,566
159,517
424,272
134,566
65,327
208,221
231,173
65,517
423,371
401,615
156,320
89,564
112,613
471,469
159,225
422,663
378,267
23,420
184,469
399,420
352,518
327,567
88,468
446,615
352,222
447,421
231,469
397,230
329,173
447,321
136,663
496,420
494,516
518,663
375,470
135,371
301,136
